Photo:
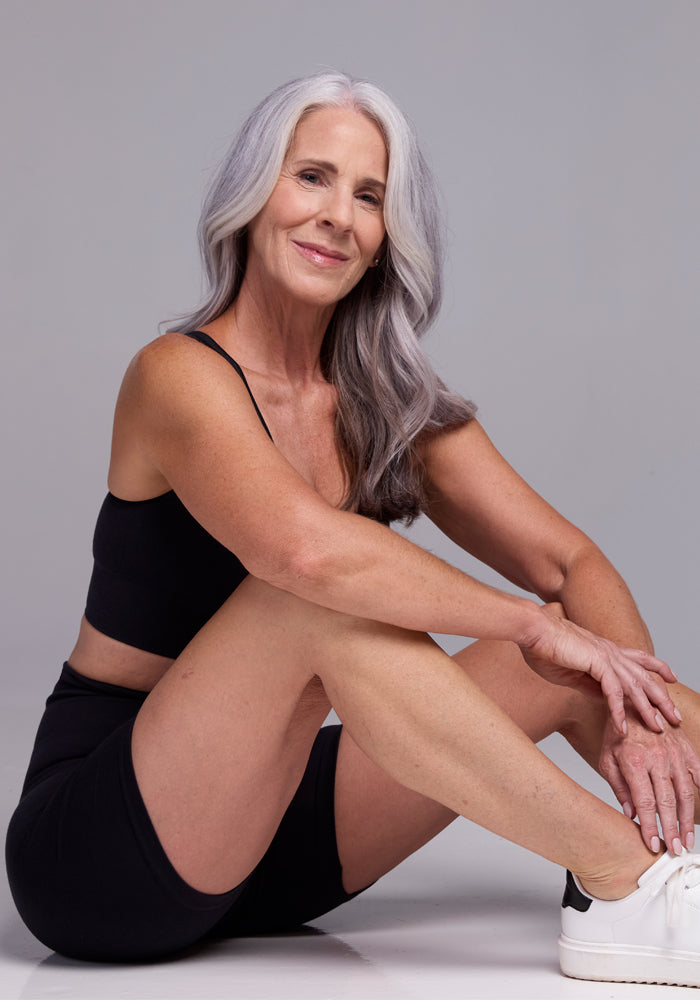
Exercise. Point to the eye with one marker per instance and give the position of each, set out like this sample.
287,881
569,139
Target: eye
310,177
371,199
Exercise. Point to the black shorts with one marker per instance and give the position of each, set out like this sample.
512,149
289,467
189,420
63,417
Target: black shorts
88,873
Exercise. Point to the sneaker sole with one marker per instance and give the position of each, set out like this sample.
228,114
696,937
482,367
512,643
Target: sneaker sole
614,963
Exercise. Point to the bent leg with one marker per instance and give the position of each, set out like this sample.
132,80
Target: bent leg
221,742
380,823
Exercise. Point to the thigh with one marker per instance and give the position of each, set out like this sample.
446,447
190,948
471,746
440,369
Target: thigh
87,872
221,743
300,876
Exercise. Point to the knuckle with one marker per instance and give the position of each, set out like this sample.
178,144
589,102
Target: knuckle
635,758
646,804
607,767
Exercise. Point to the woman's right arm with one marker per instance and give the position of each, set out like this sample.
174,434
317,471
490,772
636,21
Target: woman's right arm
193,423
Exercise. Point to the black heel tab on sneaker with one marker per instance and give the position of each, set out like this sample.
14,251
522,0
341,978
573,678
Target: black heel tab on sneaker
573,896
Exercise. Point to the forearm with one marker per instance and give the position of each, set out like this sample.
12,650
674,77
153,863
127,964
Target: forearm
370,572
595,596
361,568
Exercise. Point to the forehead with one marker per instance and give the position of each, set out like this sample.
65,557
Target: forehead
343,135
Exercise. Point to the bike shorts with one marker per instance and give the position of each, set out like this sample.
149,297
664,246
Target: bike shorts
88,873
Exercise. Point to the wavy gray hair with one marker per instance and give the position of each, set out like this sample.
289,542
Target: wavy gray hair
388,394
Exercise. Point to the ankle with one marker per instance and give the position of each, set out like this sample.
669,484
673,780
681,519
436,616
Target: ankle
608,888
616,882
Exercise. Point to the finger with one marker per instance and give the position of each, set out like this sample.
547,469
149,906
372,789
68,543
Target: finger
644,799
667,808
694,772
653,663
660,697
615,778
685,802
643,689
612,689
647,711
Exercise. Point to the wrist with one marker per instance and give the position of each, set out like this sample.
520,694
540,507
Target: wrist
532,622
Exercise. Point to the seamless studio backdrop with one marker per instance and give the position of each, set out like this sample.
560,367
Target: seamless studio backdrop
565,137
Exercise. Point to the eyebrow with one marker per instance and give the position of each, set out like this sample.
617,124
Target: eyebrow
332,169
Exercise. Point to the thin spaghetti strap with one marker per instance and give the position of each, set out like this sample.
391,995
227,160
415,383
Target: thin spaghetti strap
204,338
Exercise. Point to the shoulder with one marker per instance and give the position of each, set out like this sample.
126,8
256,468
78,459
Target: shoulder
170,355
177,372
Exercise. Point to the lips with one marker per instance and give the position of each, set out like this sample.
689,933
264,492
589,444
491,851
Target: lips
319,254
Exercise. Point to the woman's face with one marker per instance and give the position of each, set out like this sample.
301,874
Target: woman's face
323,224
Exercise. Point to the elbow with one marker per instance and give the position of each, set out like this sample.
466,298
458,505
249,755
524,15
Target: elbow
585,559
303,565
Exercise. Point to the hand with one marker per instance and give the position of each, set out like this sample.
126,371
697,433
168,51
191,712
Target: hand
654,773
565,653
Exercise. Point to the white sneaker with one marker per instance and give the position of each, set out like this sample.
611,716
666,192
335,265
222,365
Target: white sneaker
650,936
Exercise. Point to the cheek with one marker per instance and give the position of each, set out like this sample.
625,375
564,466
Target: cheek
289,207
264,235
281,212
375,239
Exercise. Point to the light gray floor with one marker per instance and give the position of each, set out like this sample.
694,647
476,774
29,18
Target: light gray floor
470,916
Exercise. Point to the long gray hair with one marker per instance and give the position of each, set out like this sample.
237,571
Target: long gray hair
389,397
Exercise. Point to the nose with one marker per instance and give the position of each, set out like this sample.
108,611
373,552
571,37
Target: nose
338,209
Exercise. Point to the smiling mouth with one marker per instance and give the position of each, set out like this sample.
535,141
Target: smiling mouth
320,254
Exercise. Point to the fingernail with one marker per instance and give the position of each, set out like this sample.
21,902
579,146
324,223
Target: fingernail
690,841
655,845
627,810
678,715
624,727
677,846
659,721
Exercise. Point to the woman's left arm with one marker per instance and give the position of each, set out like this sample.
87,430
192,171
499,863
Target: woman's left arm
484,506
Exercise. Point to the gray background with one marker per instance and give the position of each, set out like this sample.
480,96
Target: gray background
565,138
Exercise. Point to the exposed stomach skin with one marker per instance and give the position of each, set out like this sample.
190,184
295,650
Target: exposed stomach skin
105,659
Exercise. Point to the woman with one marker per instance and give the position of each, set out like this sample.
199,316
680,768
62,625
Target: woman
181,785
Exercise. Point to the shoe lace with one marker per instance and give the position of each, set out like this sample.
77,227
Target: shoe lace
686,876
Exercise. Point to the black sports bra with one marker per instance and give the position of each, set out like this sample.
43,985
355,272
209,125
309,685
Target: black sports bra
158,575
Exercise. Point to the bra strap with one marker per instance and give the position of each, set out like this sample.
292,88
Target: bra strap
204,338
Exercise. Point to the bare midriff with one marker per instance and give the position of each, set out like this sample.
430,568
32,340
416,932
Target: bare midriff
105,659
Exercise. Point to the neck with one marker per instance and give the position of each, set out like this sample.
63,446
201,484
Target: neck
276,338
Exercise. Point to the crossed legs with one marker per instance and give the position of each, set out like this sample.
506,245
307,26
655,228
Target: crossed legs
222,741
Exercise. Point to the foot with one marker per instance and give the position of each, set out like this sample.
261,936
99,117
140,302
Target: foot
650,936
